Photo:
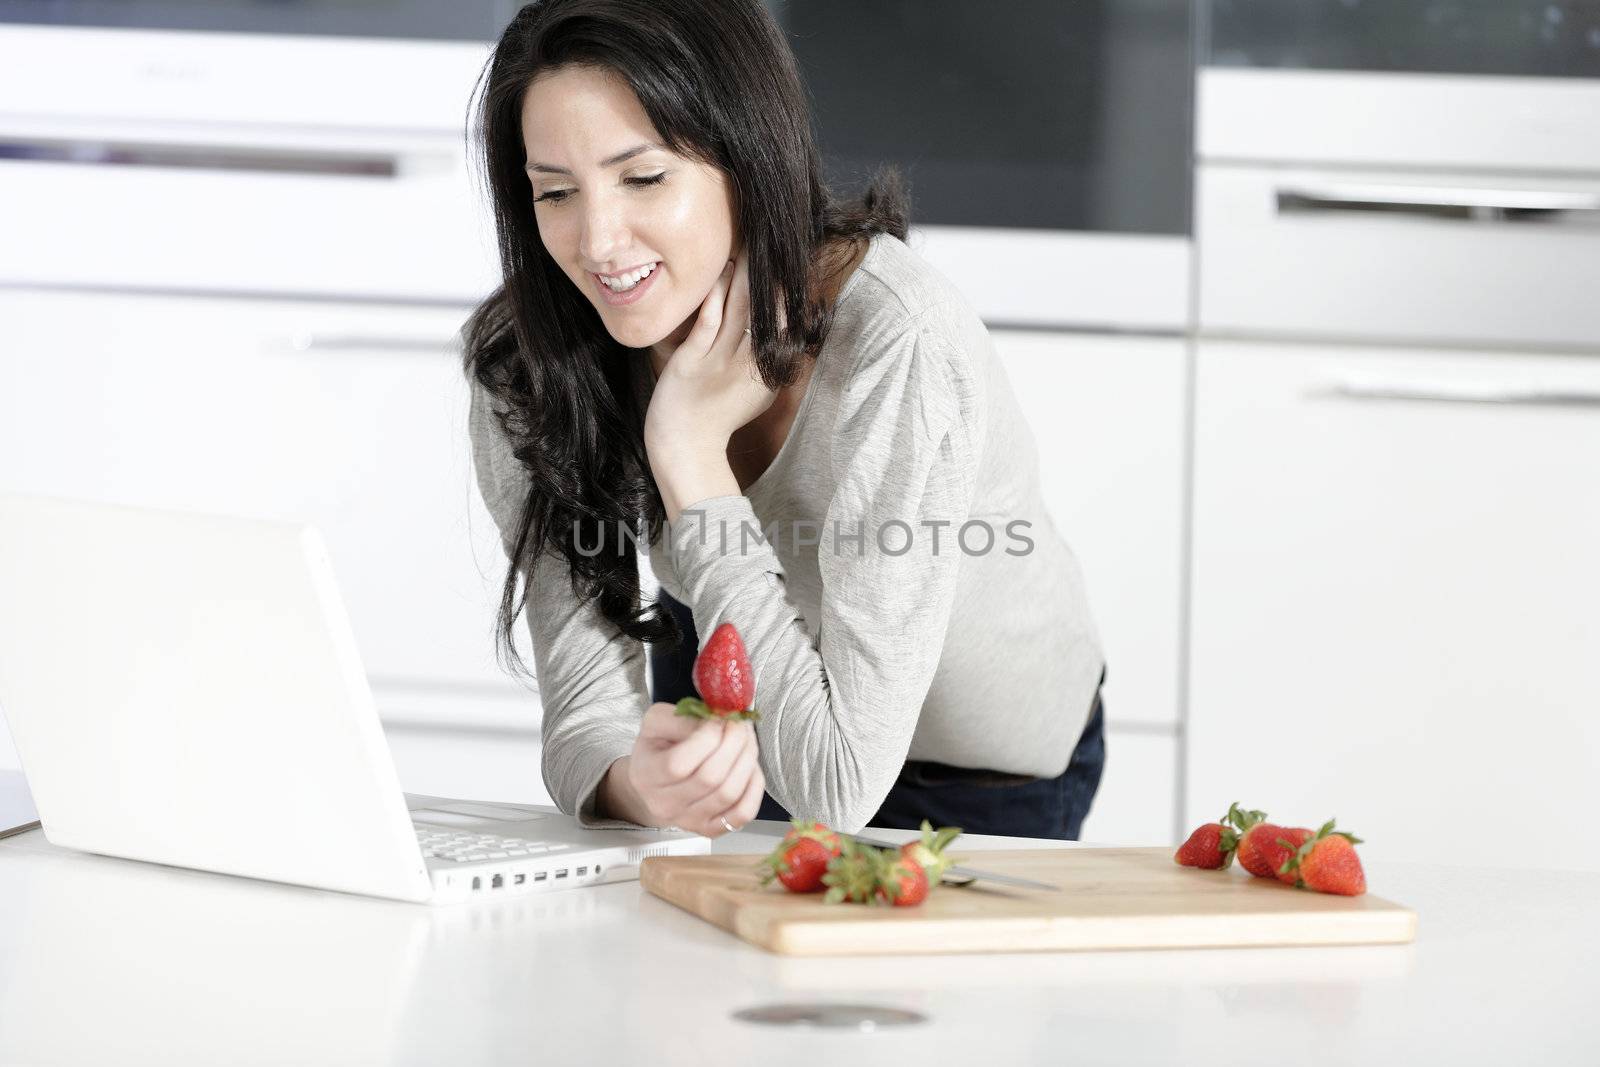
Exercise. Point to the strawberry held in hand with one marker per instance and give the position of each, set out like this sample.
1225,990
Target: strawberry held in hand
722,674
802,857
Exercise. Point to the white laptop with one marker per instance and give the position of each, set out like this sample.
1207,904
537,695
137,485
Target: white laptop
185,689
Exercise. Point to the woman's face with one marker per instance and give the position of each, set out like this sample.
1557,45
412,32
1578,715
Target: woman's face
600,214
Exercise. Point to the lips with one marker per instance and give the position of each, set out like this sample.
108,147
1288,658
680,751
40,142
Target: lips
632,296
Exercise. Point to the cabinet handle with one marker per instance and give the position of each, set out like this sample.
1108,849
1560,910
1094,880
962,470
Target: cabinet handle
1454,393
349,342
225,157
1477,205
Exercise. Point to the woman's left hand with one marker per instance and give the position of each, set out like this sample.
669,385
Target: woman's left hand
707,390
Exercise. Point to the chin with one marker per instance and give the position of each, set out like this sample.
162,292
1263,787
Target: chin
634,335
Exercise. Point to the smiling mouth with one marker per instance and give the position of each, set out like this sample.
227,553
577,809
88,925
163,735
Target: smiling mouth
635,289
629,279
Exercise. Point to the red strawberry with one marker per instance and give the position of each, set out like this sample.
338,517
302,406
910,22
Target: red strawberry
798,864
1291,840
1259,851
1206,848
722,674
1212,845
901,882
928,852
802,857
1328,863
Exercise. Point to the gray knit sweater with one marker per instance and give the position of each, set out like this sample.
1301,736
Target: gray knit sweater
896,580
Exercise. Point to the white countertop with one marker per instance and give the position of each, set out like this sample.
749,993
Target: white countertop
106,961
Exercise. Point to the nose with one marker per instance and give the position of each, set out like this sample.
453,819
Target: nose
605,233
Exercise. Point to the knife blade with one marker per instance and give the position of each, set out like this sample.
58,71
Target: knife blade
968,872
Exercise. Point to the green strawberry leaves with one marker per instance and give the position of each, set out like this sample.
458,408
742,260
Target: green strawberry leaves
695,708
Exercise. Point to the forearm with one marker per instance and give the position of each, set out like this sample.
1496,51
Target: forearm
689,473
617,799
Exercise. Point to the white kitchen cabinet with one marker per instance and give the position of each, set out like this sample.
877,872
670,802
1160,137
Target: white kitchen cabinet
1108,416
1138,790
352,417
1395,582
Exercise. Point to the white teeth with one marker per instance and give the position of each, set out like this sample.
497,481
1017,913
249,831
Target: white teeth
624,282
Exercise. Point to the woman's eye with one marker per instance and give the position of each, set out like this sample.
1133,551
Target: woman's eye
556,196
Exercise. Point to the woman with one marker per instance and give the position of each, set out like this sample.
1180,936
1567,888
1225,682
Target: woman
695,345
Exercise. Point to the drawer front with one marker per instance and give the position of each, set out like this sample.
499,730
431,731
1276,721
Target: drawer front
360,216
1432,257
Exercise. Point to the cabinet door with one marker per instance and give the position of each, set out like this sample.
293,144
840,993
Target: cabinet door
1394,586
347,416
1137,799
1108,415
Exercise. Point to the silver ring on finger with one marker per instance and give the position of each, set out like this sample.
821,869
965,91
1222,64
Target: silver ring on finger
726,825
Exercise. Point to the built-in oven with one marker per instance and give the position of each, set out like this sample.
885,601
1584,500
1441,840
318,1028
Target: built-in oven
1528,38
1046,144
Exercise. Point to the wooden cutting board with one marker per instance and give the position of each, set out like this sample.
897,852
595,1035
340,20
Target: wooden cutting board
1111,898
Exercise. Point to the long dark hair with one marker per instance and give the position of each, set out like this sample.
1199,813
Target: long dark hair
721,87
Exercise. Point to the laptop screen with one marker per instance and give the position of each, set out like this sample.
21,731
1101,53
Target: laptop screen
16,804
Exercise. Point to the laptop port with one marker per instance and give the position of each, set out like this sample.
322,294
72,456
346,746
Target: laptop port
540,876
582,871
518,879
562,873
497,882
477,883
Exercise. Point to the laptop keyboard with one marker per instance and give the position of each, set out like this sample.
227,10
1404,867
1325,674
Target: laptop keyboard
461,847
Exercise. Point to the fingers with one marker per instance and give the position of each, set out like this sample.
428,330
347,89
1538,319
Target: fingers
708,327
730,798
749,805
663,723
736,313
735,305
671,762
715,769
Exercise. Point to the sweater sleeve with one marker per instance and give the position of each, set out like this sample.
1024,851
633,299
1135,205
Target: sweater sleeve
591,677
839,707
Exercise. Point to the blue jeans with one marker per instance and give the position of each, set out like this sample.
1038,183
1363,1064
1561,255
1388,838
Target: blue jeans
978,801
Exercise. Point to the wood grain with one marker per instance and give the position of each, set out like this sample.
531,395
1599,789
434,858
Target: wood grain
1111,898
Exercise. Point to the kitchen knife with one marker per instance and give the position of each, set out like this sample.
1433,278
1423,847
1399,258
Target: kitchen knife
969,873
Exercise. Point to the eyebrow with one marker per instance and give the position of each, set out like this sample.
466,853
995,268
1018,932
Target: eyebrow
620,157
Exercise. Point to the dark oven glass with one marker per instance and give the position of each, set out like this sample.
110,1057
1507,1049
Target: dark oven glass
1044,114
1543,38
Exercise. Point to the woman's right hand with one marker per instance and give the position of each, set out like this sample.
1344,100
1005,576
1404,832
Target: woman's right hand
692,773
